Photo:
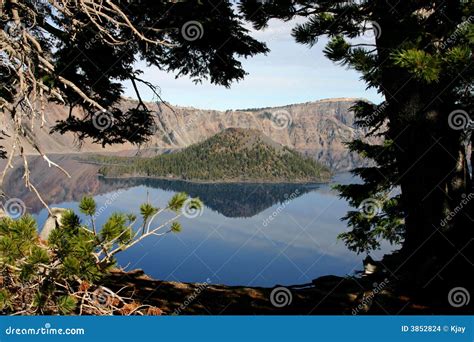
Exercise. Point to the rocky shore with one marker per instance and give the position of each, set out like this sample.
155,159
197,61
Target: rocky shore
327,295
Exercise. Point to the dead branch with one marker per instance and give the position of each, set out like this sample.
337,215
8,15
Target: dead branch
28,62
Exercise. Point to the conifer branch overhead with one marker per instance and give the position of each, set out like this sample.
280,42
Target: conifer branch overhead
77,53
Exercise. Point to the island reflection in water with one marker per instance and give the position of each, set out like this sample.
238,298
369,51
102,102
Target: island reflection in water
229,200
233,241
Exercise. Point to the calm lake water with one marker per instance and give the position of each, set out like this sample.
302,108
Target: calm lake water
233,241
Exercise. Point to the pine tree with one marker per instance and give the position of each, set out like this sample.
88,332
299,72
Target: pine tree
66,271
419,58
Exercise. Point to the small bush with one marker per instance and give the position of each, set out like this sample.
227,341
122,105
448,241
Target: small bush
64,274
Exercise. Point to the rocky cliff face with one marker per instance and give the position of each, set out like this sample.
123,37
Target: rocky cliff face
318,129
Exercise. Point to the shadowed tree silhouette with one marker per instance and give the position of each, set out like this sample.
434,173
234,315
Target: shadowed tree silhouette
78,53
418,55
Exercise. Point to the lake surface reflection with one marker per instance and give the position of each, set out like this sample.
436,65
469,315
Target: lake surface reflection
248,234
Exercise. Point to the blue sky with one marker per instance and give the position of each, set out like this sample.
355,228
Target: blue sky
289,73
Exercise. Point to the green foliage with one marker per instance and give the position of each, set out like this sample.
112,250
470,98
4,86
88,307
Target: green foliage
418,56
421,64
74,246
66,304
17,238
194,204
51,274
147,211
87,206
232,155
116,228
176,227
5,300
177,201
200,59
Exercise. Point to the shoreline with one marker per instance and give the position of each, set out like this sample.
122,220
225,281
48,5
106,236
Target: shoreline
236,182
325,295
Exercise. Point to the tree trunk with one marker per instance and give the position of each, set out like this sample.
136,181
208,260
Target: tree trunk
436,194
432,166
